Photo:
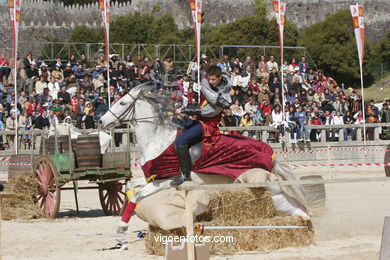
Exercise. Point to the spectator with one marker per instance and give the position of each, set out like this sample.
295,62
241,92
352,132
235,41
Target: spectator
80,73
44,72
42,122
266,113
32,77
337,120
89,119
304,130
237,64
262,70
265,95
156,77
249,65
28,61
80,112
58,74
228,120
303,67
53,119
278,122
4,67
72,61
54,88
251,110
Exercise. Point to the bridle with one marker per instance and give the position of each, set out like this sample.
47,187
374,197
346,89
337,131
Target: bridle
133,120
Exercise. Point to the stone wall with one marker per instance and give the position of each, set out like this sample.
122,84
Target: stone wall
48,20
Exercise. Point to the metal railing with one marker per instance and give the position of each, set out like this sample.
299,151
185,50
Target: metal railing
373,131
262,133
181,54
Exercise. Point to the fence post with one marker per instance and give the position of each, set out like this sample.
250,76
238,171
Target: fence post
323,135
189,225
329,159
376,133
341,134
359,134
264,136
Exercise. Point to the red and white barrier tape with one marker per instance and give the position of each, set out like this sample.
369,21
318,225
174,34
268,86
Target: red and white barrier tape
3,159
333,149
339,165
16,164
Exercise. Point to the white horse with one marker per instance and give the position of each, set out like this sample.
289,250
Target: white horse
155,134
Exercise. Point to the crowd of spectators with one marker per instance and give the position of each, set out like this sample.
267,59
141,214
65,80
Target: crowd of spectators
74,93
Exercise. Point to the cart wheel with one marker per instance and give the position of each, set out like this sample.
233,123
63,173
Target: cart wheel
111,197
49,194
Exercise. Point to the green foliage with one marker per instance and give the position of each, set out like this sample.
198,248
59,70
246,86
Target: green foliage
255,30
85,34
384,49
332,45
261,7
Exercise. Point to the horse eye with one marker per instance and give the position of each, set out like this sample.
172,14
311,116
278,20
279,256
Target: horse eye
122,103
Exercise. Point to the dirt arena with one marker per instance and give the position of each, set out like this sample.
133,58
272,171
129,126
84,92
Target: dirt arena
350,228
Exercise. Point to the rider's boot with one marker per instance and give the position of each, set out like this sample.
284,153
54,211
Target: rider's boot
185,165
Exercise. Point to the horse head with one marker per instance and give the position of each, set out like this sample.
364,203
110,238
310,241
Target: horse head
123,110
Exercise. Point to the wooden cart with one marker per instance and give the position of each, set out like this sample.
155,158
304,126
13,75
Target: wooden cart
64,160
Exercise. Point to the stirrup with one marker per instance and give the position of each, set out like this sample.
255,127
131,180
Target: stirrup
180,180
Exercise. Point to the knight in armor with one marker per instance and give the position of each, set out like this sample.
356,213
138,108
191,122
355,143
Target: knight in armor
214,98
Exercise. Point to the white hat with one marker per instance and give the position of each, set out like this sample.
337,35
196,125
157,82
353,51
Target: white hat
131,64
68,64
43,64
68,117
204,56
45,105
32,63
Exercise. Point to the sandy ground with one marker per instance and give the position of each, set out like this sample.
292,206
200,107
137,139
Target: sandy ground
350,228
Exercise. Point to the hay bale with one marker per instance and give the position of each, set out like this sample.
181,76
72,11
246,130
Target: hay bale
261,239
239,205
23,206
244,240
154,247
241,208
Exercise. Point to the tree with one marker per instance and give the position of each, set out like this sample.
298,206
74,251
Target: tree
384,49
84,34
254,30
332,45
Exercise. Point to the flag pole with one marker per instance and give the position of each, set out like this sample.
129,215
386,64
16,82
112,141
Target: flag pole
108,67
16,99
363,108
281,57
14,7
197,38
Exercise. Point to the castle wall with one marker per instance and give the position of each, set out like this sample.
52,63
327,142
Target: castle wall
48,20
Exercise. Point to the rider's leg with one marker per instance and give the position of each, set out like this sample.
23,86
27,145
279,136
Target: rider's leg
183,143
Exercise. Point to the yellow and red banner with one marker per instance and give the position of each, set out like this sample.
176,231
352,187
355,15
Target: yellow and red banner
358,25
196,11
14,10
280,11
105,8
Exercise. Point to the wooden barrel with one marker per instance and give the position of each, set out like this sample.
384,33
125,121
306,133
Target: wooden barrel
88,152
387,160
62,144
20,165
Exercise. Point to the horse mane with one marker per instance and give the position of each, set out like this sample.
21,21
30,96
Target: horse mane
161,104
